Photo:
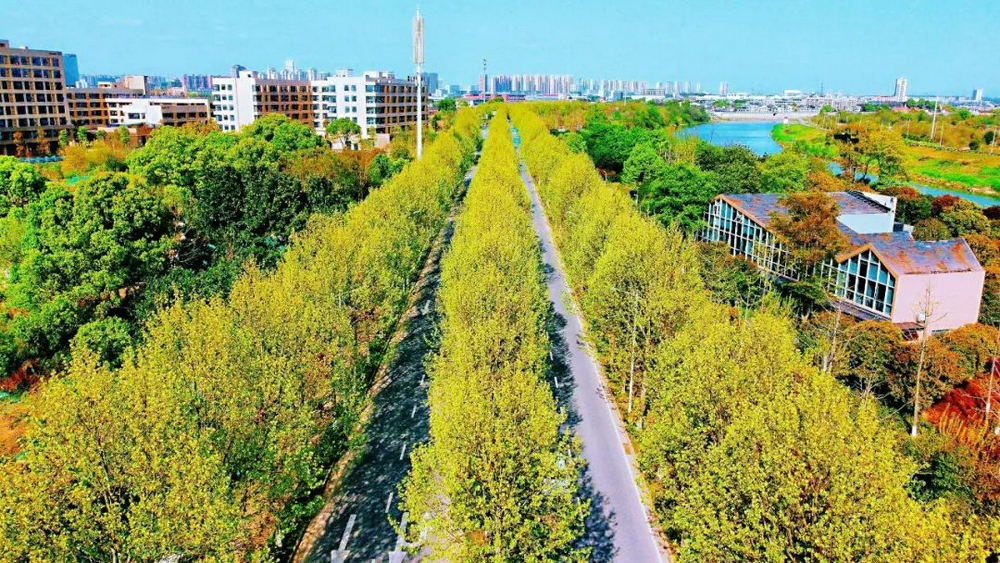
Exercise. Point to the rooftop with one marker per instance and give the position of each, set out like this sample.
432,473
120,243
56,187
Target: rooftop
904,255
898,250
759,206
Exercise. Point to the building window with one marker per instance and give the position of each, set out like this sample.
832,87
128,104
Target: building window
865,281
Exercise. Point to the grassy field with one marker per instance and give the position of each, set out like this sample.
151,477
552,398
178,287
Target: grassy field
973,171
976,172
810,140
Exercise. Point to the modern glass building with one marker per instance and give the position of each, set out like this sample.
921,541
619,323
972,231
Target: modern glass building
884,275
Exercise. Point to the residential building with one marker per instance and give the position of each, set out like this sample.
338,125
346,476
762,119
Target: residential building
900,91
377,101
884,274
138,82
977,95
237,102
196,83
88,107
154,112
32,99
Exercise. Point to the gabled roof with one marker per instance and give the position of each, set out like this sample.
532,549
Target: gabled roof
760,206
903,255
898,250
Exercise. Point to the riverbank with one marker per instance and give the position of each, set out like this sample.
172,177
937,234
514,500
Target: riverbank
962,171
761,117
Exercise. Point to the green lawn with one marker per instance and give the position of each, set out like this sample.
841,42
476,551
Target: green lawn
806,139
962,170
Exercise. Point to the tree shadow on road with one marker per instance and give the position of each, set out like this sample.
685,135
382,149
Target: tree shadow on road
599,524
399,418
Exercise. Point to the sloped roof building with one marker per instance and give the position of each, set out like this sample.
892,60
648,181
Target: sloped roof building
885,274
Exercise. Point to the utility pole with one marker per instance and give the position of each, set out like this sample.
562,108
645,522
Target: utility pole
934,119
418,60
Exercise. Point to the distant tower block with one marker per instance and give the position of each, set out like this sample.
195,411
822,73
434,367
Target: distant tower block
900,92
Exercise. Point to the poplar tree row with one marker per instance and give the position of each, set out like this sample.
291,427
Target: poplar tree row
212,440
749,452
498,479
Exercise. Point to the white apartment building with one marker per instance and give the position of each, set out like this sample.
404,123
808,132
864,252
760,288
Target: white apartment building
156,111
377,101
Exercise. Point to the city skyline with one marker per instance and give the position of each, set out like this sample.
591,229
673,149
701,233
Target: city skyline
736,46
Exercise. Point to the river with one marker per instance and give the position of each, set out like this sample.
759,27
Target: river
756,135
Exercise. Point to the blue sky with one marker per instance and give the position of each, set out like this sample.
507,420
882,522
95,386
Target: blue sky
853,46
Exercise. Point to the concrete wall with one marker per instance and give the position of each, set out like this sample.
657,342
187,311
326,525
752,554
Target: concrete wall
955,298
867,223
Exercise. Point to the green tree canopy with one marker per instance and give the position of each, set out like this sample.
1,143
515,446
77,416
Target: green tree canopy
644,164
680,195
284,133
446,104
20,184
784,172
342,129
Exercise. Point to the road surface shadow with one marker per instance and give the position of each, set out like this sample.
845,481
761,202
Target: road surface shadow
399,421
599,533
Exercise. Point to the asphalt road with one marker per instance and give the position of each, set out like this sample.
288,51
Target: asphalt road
618,528
356,523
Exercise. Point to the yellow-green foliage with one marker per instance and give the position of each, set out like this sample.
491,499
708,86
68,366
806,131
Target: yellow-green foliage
209,440
635,279
498,480
750,453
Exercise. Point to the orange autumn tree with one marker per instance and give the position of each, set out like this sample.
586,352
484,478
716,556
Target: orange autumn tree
809,228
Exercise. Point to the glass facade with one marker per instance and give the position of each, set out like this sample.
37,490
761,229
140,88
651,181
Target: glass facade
861,280
747,238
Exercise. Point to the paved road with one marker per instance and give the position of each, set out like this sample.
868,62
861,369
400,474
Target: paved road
618,528
354,526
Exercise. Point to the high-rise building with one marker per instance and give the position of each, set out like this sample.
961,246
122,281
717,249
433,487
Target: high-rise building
900,92
32,99
71,70
234,70
723,88
196,82
977,95
377,101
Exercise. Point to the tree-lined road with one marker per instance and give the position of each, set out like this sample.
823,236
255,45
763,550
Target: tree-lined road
619,518
356,522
